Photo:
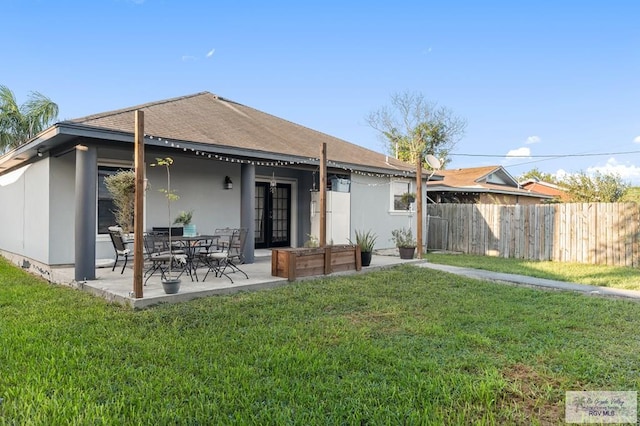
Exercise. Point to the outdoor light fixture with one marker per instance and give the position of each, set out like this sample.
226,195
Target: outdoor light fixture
39,153
273,184
228,184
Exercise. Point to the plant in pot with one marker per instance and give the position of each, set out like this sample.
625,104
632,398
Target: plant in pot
407,198
366,241
122,186
184,218
170,283
312,242
403,239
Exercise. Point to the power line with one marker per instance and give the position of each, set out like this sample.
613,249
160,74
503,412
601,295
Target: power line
544,156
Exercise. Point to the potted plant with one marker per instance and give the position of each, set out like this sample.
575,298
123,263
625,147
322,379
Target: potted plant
403,239
122,185
170,284
366,241
184,218
407,198
312,242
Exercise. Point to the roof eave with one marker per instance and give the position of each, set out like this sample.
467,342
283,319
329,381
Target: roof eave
486,190
29,150
47,140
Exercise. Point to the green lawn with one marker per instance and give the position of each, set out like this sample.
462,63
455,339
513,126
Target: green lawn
401,346
600,275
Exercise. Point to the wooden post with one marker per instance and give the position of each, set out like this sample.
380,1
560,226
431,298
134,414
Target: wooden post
138,229
292,264
419,205
327,261
274,262
323,195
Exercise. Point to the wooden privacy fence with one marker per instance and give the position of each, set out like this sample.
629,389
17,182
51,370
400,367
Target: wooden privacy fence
596,233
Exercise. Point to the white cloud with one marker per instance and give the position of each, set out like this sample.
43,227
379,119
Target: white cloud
561,174
636,139
533,139
628,172
520,152
210,53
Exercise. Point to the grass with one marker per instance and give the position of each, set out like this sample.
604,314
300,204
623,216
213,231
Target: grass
402,346
598,275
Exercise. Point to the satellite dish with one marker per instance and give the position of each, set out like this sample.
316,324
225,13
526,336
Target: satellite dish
433,162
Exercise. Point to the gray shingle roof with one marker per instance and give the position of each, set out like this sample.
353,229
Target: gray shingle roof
210,119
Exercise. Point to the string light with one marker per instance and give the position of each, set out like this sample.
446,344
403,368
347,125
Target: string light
280,163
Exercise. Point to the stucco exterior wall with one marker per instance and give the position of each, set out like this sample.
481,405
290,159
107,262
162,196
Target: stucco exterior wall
23,215
62,209
371,202
199,184
39,207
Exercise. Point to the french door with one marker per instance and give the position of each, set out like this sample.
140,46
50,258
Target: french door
273,215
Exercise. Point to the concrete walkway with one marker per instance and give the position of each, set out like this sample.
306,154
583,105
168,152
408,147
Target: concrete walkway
533,282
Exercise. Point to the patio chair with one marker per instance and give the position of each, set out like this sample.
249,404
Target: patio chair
216,243
157,249
226,261
120,246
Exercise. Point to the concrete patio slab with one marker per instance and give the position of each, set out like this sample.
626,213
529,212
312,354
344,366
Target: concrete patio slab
118,288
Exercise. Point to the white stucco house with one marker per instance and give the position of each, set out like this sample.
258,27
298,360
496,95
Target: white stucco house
52,189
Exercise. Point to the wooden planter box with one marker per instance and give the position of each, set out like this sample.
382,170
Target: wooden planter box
293,263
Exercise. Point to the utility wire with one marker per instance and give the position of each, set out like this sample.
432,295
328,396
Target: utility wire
544,156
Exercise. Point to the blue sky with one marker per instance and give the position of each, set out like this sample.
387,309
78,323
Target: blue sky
532,78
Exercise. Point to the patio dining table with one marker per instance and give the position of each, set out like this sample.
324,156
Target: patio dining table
192,246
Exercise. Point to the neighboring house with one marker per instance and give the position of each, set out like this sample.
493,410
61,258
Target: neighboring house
56,210
546,188
483,185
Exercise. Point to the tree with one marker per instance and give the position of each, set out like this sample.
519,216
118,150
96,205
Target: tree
413,129
537,174
122,186
632,195
598,188
19,123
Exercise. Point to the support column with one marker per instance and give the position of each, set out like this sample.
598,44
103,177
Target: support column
85,212
323,196
419,215
248,208
138,211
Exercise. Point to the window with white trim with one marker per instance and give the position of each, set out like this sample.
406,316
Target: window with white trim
106,218
399,200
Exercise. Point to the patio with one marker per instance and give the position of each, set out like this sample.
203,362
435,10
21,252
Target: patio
118,288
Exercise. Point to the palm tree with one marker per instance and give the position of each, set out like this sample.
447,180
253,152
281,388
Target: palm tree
19,123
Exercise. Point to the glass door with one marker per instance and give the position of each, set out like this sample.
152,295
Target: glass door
273,215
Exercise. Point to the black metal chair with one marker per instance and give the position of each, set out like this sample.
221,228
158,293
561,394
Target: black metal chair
120,246
226,261
158,254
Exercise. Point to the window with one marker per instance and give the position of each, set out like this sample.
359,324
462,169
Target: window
106,217
398,189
